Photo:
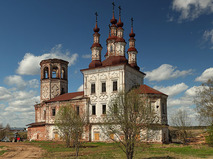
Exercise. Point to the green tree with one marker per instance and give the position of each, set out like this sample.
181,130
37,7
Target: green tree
181,120
71,125
128,114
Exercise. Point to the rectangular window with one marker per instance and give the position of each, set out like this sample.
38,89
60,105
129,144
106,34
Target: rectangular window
163,108
77,110
93,110
44,114
103,109
53,112
92,88
104,87
115,87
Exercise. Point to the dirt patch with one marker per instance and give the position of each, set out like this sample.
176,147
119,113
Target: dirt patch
20,150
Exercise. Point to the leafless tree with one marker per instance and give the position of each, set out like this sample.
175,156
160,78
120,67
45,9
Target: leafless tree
204,102
70,125
204,107
181,120
128,114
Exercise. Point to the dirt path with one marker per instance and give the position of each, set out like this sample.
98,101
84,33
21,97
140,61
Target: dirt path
20,150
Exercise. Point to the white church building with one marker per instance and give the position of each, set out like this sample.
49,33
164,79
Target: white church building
102,81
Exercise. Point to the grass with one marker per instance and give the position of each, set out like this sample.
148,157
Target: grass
101,150
2,151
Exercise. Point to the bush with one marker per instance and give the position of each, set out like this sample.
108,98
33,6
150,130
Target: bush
209,137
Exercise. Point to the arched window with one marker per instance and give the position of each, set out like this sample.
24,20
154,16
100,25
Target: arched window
55,72
46,73
63,73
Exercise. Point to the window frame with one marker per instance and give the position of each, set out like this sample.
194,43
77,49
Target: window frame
92,88
103,87
53,111
77,110
103,109
115,87
93,109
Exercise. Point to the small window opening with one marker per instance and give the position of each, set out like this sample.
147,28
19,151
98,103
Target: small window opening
62,91
53,112
103,109
77,110
92,88
55,72
163,108
104,87
115,87
63,76
93,110
44,114
46,73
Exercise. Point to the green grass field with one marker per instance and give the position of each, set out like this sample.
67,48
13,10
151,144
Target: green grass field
111,150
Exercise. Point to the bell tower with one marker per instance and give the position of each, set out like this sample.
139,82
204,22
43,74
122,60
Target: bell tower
54,82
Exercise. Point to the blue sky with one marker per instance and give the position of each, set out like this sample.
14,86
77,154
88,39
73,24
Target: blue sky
174,39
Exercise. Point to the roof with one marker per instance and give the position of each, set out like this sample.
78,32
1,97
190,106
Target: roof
37,124
144,89
66,96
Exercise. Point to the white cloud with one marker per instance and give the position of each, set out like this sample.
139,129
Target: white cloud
4,94
208,34
192,9
208,73
86,56
172,90
80,88
193,90
15,80
20,83
166,72
29,65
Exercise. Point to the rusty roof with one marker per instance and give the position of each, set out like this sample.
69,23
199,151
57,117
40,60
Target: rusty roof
65,97
144,89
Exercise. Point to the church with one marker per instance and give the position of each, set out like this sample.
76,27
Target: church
102,81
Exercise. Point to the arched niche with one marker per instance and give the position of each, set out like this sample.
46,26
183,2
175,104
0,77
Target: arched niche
63,73
46,73
55,72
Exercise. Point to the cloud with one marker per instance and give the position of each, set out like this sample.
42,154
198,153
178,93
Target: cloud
208,35
15,80
86,56
4,94
192,9
80,88
192,114
208,73
166,72
172,90
29,65
20,83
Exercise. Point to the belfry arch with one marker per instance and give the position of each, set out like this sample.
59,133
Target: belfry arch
54,80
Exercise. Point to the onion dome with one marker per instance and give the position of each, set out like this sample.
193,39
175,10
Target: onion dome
113,21
120,24
132,34
96,29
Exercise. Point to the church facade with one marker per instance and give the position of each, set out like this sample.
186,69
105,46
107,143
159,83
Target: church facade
103,79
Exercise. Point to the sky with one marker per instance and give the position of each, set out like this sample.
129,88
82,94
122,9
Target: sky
174,39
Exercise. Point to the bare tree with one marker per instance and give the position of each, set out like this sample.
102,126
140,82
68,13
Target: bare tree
204,107
128,114
181,120
204,102
71,125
